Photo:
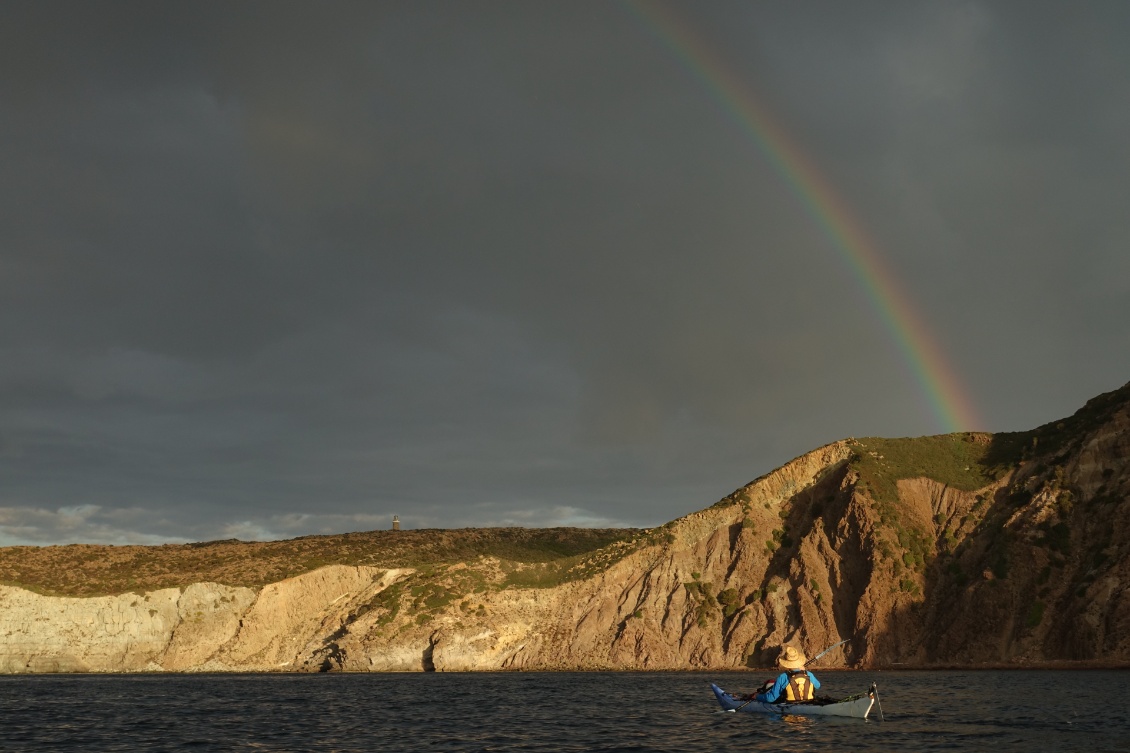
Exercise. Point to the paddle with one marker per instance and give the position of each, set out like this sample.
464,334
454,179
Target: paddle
751,700
834,645
810,661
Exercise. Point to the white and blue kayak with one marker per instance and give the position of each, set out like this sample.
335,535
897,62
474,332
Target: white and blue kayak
855,706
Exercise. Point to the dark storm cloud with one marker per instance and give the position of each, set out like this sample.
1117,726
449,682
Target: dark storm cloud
273,269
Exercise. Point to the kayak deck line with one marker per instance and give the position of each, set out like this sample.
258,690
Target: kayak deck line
853,706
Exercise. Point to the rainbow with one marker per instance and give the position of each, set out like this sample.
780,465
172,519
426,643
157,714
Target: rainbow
947,399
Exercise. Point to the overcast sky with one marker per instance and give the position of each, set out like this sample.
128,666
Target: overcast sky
276,269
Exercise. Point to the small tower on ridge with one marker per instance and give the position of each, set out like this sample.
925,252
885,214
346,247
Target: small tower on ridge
395,523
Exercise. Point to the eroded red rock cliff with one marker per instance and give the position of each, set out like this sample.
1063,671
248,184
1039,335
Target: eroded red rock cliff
966,549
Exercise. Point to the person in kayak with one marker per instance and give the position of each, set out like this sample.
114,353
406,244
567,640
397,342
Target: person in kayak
794,684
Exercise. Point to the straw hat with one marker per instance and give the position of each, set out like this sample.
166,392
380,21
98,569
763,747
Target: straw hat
791,658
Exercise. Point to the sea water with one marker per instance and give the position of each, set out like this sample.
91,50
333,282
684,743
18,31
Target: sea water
924,711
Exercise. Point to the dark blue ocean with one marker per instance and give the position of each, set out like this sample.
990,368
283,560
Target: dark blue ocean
924,711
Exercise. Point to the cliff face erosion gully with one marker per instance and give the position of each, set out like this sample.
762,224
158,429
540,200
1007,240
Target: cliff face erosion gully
955,550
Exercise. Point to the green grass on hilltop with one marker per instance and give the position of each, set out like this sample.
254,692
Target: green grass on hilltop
957,460
970,461
95,570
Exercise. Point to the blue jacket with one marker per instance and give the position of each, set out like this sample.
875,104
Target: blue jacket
776,692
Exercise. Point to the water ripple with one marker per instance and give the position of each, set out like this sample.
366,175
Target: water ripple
660,713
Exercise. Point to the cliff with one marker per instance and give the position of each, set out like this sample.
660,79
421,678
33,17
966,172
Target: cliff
964,549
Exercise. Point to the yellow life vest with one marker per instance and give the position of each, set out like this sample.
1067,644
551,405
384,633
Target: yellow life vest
799,687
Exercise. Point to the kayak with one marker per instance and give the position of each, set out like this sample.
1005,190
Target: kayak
857,707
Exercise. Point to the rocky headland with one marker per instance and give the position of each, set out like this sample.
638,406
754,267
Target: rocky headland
955,550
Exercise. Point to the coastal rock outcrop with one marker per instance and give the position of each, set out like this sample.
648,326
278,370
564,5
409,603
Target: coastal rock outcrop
965,549
207,626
